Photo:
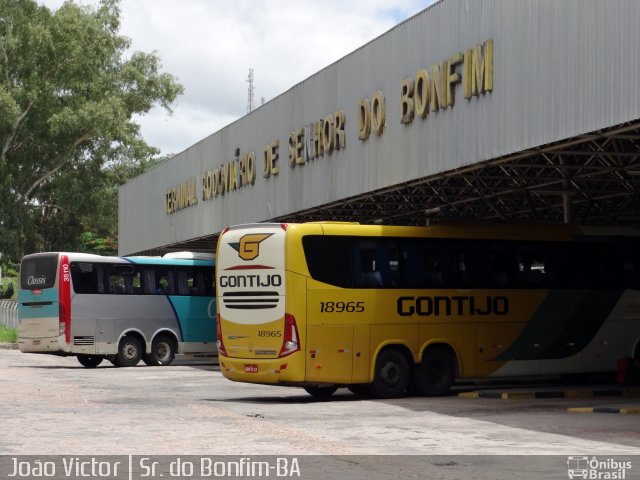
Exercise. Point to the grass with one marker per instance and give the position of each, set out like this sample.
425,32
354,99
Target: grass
8,335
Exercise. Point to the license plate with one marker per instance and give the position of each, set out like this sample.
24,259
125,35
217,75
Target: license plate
251,369
35,342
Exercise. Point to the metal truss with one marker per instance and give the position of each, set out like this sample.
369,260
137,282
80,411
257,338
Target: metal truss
591,179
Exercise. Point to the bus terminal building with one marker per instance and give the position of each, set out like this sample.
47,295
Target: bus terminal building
511,110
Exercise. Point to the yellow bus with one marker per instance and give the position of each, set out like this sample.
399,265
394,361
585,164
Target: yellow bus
386,309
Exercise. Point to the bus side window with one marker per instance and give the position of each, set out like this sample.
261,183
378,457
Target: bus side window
410,269
630,266
329,259
501,266
204,281
120,279
87,277
102,288
462,269
391,263
581,265
429,264
136,280
472,264
465,265
210,281
149,282
164,282
115,283
532,270
620,267
185,281
366,263
378,262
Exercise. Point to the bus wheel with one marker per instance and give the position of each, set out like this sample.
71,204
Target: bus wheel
321,392
129,352
163,351
89,361
435,375
391,376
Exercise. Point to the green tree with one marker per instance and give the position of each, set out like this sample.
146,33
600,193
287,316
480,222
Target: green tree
70,91
93,243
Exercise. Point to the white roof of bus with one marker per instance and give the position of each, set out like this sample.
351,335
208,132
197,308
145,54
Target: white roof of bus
190,255
90,257
82,257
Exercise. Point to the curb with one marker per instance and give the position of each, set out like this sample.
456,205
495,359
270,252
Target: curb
579,393
9,346
620,410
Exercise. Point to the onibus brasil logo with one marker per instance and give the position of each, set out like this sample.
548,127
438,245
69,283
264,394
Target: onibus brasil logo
597,469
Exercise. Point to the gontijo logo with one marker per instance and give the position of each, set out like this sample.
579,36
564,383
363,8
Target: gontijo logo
249,246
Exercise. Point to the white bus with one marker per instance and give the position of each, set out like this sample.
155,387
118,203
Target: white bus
122,309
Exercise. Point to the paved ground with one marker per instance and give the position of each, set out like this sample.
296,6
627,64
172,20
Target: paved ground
52,406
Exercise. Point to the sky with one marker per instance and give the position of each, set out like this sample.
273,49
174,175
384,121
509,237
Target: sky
210,45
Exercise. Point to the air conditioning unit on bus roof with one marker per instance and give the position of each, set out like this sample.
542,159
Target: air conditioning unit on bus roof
190,255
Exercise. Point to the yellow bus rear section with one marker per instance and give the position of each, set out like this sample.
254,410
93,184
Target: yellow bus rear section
253,350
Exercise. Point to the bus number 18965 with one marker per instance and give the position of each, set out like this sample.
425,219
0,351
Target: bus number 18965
340,307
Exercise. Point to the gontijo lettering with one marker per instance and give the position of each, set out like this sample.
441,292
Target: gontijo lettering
455,305
243,281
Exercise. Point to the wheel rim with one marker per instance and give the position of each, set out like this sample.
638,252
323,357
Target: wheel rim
130,351
391,374
163,351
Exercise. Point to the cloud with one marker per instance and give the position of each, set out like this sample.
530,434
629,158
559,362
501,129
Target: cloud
209,46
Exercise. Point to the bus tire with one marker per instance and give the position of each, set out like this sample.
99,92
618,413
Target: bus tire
129,352
391,376
321,392
435,375
163,351
89,361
